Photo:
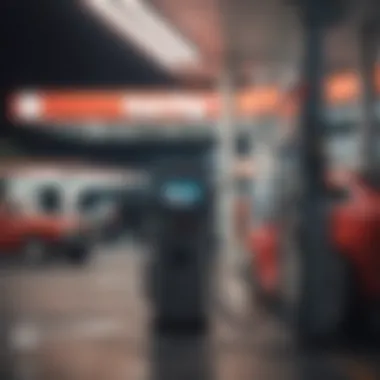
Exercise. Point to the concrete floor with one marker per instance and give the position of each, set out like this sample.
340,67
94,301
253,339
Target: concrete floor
92,324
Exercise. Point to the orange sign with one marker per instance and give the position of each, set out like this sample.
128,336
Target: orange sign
66,106
165,106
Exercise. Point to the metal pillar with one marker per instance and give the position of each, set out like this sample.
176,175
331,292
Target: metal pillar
315,244
311,120
368,41
227,137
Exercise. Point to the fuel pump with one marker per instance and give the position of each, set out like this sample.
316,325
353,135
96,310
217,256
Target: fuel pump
181,210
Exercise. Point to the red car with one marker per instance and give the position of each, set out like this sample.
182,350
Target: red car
36,237
284,278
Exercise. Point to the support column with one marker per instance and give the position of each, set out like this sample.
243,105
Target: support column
368,43
319,317
311,115
227,141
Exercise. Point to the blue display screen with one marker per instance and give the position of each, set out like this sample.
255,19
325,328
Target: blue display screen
182,193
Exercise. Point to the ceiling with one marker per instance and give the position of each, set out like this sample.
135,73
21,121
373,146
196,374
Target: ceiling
54,43
265,37
50,43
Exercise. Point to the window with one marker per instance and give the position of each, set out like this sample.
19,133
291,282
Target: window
50,198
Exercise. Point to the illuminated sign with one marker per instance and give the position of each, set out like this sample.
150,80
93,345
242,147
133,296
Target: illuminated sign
182,193
78,106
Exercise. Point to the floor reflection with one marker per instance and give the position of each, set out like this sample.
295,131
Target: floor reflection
93,324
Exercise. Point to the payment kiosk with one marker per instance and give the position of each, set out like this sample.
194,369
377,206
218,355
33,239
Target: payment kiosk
181,236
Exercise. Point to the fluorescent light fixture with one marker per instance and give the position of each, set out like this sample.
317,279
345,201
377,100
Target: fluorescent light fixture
144,27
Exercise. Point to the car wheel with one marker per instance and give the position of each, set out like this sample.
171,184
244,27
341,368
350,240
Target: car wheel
34,251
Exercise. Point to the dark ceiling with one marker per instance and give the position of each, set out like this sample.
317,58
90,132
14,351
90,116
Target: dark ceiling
57,43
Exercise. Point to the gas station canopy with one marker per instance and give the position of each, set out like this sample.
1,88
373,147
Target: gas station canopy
202,39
